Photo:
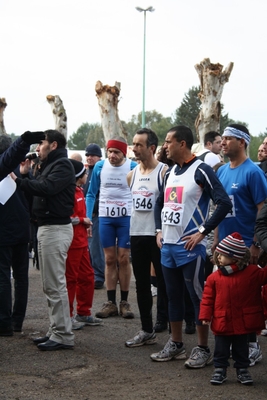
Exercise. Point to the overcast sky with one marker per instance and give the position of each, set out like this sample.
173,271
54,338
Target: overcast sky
62,47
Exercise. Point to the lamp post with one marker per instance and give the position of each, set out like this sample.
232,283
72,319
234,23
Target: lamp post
144,10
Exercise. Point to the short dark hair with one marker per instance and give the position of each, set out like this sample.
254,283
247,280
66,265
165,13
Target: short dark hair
182,132
240,128
55,136
5,142
210,137
152,138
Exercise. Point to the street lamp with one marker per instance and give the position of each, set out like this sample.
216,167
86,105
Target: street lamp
144,10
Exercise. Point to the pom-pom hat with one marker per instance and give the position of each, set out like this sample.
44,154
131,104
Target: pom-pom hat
232,246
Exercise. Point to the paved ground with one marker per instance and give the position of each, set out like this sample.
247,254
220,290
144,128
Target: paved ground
101,367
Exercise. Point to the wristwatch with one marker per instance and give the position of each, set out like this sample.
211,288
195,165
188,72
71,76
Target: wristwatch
157,231
256,244
202,230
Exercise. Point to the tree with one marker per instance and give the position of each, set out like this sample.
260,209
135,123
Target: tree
190,107
96,135
59,114
108,98
255,142
212,80
3,105
86,133
154,120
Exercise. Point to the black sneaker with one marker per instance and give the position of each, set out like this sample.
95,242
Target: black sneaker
190,327
160,326
219,376
243,376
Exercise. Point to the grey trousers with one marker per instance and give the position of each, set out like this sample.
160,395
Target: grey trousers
53,244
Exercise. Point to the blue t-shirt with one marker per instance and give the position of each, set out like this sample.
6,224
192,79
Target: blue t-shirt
246,186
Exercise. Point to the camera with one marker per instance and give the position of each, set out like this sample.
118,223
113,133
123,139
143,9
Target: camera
31,156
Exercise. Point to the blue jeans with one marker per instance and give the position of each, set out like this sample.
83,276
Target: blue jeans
16,256
96,252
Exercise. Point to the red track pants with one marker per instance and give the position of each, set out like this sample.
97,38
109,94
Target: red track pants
80,280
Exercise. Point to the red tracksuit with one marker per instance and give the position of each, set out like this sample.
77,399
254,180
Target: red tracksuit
79,271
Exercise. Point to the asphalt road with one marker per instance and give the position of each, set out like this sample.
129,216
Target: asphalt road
101,367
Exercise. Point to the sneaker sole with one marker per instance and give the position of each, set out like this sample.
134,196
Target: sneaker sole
77,328
99,315
214,382
181,356
248,382
150,341
127,316
255,361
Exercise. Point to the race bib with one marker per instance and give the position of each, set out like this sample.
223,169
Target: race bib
172,214
143,200
116,208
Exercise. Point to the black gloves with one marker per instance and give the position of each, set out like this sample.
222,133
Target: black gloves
32,137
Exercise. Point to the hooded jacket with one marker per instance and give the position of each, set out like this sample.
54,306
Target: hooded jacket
233,302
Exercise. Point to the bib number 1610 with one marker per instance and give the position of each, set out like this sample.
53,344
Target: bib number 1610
116,211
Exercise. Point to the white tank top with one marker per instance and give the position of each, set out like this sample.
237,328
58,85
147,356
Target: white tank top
145,190
181,198
115,198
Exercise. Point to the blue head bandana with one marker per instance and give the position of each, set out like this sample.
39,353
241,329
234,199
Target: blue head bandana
230,131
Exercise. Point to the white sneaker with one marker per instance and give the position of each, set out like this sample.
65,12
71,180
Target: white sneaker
154,291
88,320
254,354
76,325
199,358
141,338
169,352
264,332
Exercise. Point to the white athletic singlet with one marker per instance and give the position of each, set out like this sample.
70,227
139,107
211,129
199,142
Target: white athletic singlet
181,199
145,190
115,196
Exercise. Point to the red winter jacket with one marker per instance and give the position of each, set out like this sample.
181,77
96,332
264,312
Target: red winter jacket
80,237
233,303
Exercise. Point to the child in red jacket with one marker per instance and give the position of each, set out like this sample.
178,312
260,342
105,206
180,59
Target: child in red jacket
79,271
232,303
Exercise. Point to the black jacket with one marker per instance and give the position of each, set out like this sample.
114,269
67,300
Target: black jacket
15,219
53,189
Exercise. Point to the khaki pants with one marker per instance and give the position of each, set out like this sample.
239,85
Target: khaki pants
53,244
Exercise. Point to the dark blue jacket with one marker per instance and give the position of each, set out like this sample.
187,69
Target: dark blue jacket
12,157
15,219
